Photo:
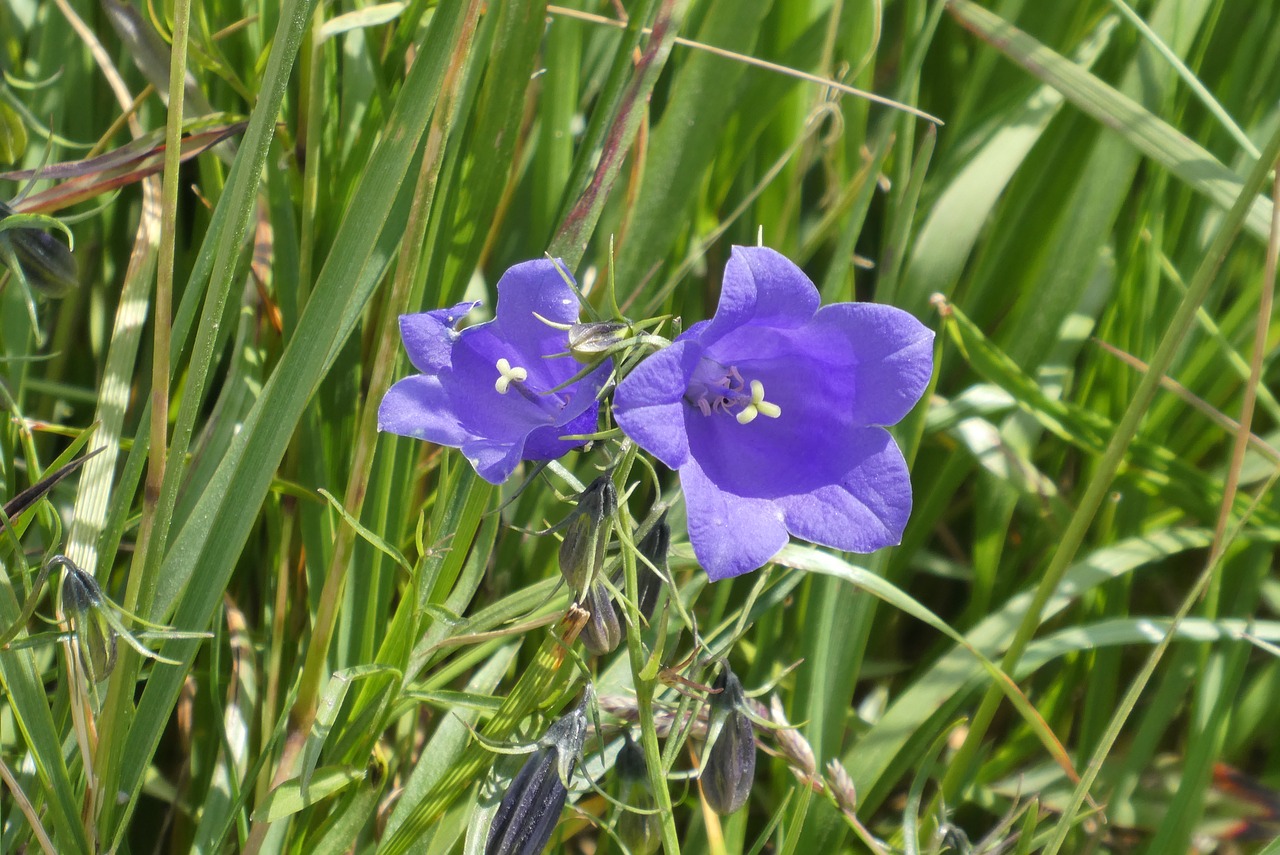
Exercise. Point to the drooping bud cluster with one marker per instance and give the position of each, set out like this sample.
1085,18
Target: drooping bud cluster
606,626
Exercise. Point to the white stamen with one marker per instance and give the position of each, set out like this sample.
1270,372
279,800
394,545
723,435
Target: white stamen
758,406
508,375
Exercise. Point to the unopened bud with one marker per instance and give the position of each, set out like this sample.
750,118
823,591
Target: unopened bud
641,832
586,536
654,546
588,342
82,601
603,632
955,840
41,259
729,767
796,748
532,805
841,787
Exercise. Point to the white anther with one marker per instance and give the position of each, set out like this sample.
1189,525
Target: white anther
508,375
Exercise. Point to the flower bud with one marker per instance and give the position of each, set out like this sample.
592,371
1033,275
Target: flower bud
840,783
603,631
653,546
589,342
532,805
729,766
586,535
96,639
639,831
43,260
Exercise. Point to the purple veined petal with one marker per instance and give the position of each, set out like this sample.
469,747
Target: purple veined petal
649,403
731,535
537,288
761,287
418,407
893,358
868,506
429,336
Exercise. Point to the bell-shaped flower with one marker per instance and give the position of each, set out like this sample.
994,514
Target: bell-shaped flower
490,389
772,412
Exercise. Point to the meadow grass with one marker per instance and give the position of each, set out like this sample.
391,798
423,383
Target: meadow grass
1072,650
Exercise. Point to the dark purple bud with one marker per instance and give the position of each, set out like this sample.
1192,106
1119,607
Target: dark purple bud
603,631
44,261
586,535
729,767
653,546
955,840
529,811
82,600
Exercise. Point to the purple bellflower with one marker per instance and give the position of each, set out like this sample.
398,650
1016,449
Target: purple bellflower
488,388
772,413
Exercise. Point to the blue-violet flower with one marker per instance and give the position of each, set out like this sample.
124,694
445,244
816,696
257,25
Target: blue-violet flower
488,388
772,413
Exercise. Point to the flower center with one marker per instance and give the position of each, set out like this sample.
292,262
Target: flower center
513,377
508,375
716,388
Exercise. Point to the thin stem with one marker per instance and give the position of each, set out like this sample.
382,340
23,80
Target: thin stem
644,685
1072,538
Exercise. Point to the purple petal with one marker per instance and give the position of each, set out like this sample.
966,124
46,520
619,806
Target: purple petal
731,535
867,508
418,406
473,394
536,287
429,336
579,417
893,358
799,450
493,461
761,287
649,403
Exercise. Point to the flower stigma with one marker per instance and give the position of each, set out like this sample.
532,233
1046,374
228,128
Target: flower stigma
508,375
716,388
758,406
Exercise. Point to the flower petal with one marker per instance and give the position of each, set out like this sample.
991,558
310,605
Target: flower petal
579,416
493,460
537,287
731,535
474,397
649,403
893,358
867,509
418,406
761,287
429,336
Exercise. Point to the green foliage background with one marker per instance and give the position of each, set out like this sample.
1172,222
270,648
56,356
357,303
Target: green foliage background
1071,651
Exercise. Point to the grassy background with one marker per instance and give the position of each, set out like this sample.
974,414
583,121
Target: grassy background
1085,529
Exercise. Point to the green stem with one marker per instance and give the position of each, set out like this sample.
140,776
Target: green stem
643,685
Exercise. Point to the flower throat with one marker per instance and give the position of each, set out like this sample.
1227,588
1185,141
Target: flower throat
717,389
